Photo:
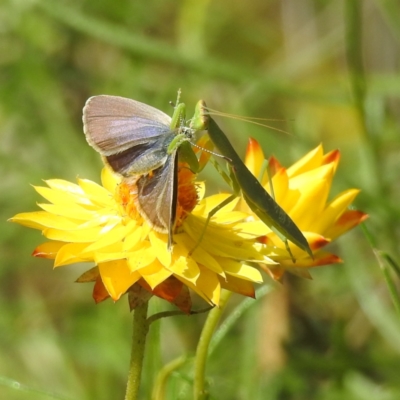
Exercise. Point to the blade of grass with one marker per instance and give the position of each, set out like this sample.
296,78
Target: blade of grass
20,387
381,256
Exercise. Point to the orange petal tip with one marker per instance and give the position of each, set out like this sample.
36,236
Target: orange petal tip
318,243
274,166
99,291
329,259
349,220
253,146
264,240
331,157
254,156
352,217
276,272
41,254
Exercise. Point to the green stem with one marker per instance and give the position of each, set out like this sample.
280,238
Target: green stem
203,346
236,314
159,388
140,330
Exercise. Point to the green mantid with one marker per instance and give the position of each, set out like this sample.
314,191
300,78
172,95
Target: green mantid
242,180
141,142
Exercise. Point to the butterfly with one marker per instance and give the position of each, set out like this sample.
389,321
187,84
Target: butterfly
138,140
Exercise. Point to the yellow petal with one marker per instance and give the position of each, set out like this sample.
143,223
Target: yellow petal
208,288
96,193
209,203
77,236
252,229
220,240
280,184
245,288
320,258
240,270
61,197
72,253
64,186
154,274
209,285
348,220
283,196
72,211
109,180
103,257
117,277
195,289
133,238
334,209
204,257
254,157
42,220
159,245
114,235
48,249
313,198
310,161
229,217
183,265
141,258
303,181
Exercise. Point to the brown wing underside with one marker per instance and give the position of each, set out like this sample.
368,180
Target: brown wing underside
157,197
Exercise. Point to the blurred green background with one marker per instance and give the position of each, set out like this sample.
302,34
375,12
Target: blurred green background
329,69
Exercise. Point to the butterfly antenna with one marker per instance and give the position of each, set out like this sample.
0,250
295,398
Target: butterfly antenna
251,120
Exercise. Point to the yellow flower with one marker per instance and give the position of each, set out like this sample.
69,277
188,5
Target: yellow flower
87,222
302,191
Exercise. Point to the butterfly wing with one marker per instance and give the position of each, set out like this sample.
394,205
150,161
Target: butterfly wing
142,158
157,197
127,132
133,139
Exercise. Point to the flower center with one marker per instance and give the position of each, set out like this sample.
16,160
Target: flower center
187,193
187,198
126,194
